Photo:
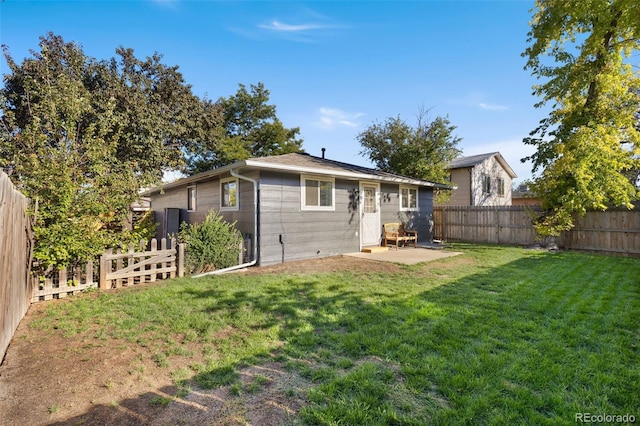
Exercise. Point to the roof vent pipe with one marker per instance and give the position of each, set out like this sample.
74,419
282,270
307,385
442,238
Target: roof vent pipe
323,150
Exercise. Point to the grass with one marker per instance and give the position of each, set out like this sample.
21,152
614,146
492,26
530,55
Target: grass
498,335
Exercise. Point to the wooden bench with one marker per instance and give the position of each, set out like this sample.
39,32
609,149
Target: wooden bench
395,232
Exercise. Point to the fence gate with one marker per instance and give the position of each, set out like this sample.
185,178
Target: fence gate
125,269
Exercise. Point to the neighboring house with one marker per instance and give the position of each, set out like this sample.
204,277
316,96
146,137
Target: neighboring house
299,206
523,196
481,180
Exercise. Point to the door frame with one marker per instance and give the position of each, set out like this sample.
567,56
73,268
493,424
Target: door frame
378,223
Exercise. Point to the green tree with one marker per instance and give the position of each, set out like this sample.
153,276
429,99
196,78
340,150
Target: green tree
589,143
421,152
80,137
250,128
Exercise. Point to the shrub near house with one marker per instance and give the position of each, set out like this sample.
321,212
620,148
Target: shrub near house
212,244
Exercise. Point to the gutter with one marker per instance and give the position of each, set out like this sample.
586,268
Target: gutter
255,230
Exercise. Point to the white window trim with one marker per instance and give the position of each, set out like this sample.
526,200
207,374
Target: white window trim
486,177
303,193
237,206
501,187
195,199
408,209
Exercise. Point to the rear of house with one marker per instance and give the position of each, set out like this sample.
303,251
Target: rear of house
306,206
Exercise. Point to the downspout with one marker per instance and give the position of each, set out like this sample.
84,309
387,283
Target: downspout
255,230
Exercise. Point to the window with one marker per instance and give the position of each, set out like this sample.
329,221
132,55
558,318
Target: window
408,198
229,194
486,184
317,193
501,187
369,200
191,198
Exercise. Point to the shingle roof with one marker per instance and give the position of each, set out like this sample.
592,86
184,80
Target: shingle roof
305,163
309,163
474,160
470,161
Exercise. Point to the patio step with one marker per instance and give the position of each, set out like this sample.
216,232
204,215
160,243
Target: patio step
374,249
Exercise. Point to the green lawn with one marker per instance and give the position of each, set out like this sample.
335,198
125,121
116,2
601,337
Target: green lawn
498,335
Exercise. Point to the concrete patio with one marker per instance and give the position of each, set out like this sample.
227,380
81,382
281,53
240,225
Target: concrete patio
405,255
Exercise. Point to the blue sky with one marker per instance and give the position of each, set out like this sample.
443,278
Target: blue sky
332,67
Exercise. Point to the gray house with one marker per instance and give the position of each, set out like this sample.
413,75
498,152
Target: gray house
297,206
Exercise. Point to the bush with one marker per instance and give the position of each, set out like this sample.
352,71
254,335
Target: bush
210,245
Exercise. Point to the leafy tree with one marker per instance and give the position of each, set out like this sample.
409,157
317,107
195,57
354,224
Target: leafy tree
250,128
80,137
589,144
421,152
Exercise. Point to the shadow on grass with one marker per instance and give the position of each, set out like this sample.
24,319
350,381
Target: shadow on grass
531,341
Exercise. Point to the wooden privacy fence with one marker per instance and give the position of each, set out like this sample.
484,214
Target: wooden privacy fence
15,260
114,270
614,231
495,224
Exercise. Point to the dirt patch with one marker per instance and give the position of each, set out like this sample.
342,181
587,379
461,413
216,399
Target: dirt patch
324,265
47,378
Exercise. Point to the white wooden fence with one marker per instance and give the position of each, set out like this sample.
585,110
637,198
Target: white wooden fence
57,284
128,268
115,270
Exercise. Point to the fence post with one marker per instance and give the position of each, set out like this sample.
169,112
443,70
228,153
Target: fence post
102,284
163,246
443,237
181,260
152,272
88,273
175,253
130,262
118,267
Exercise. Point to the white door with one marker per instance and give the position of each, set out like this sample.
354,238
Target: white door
369,214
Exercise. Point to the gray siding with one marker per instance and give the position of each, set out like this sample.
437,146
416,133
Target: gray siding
207,198
420,220
307,234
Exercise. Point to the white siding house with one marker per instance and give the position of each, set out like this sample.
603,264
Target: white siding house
481,180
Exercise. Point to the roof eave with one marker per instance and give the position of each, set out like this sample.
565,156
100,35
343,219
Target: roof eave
343,174
506,166
195,178
262,165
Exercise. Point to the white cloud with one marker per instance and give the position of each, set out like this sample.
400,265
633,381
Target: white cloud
282,27
330,118
492,107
